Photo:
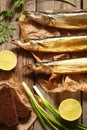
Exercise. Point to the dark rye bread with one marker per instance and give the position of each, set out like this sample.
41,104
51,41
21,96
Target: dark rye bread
12,101
8,113
22,110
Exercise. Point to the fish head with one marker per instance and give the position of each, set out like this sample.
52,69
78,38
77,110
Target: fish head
27,44
38,17
34,67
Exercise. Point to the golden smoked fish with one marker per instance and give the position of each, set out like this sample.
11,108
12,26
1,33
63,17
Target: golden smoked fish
65,20
56,44
70,66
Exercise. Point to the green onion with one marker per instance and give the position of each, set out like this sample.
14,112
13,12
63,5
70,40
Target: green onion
81,127
46,103
41,113
39,116
54,111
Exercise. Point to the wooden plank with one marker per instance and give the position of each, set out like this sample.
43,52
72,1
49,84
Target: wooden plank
3,5
23,57
66,6
85,4
84,104
30,6
43,5
84,95
75,95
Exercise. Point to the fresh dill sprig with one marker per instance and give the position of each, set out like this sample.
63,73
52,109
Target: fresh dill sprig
5,32
6,14
18,4
9,14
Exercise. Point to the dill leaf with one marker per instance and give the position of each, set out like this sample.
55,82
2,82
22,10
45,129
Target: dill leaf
6,14
5,31
18,3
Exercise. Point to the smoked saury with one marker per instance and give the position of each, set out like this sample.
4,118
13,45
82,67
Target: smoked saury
78,65
66,20
56,44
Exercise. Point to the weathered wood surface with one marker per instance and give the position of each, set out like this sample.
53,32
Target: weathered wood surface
25,57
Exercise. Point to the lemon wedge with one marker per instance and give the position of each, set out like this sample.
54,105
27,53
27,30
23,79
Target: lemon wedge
70,109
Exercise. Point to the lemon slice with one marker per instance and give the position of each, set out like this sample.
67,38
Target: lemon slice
70,109
8,60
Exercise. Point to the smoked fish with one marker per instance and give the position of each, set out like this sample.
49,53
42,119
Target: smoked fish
65,20
70,66
55,44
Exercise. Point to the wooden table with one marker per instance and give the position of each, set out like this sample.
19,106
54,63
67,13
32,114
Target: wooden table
25,57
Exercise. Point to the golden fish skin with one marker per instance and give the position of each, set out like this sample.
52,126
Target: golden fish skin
66,20
57,44
70,66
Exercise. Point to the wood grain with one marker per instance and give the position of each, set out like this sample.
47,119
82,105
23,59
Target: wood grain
76,95
84,95
25,57
85,4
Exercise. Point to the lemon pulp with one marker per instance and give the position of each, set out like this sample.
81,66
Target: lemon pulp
8,60
70,109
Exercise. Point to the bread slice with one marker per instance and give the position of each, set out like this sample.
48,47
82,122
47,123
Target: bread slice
22,110
8,112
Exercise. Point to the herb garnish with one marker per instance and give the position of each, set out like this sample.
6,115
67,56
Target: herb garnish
9,14
7,30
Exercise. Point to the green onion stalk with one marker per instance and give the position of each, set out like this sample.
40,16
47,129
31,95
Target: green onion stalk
43,115
54,111
46,103
81,127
